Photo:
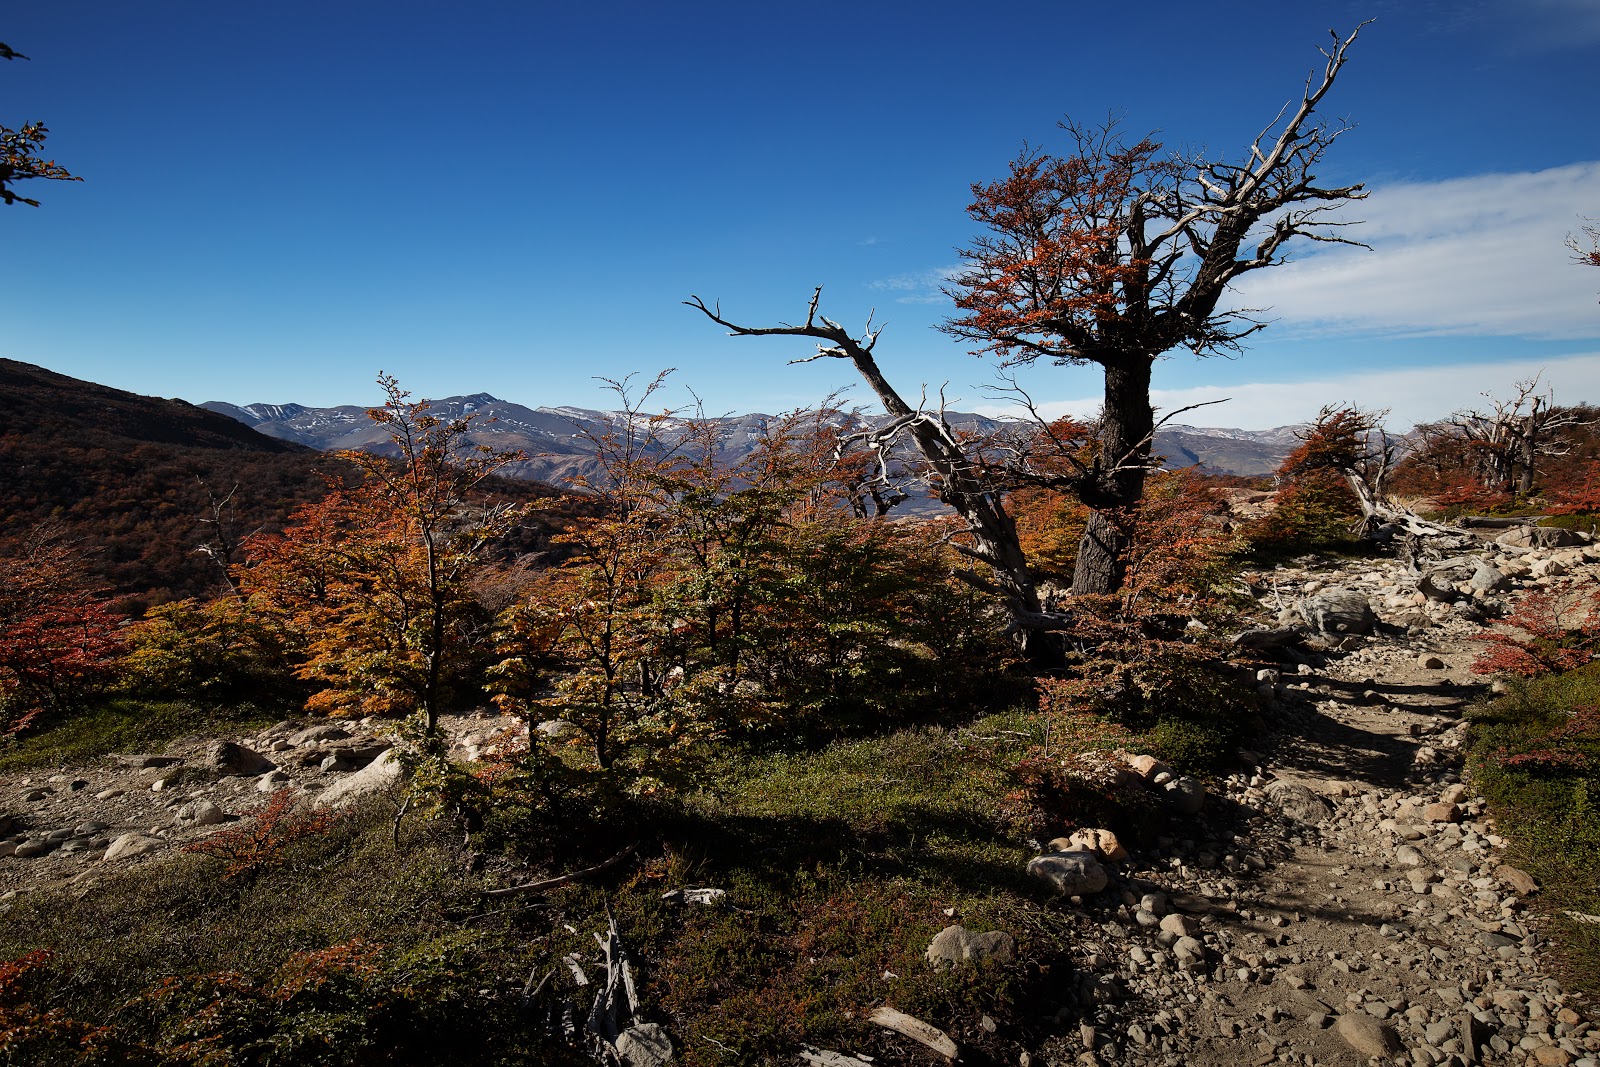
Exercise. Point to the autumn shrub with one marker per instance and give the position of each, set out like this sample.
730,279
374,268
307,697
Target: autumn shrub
1535,754
247,850
1146,659
1315,506
215,652
1553,630
59,640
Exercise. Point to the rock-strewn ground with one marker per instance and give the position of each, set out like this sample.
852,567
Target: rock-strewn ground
66,825
1349,897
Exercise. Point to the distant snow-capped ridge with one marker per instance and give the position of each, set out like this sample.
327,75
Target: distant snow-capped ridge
553,437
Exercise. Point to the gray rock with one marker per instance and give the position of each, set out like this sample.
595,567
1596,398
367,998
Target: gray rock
1300,803
272,781
1539,537
1070,873
130,845
957,944
235,758
198,813
324,732
1185,794
644,1045
1487,580
37,846
1367,1035
380,776
144,761
1339,610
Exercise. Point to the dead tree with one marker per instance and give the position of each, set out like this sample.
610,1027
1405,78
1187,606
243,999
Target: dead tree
1509,439
1118,252
969,476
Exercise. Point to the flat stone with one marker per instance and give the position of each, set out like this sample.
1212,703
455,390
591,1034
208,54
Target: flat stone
957,944
130,845
37,846
1070,873
145,761
323,732
1367,1035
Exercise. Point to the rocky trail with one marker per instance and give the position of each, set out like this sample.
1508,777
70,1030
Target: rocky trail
1348,900
1345,900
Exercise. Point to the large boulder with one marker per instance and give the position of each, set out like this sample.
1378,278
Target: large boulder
1073,874
1539,537
382,775
1339,610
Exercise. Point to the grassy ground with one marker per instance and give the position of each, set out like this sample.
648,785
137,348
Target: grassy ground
1536,756
840,865
124,724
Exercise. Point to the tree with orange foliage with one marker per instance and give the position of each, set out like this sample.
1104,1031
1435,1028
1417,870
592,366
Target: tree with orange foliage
1113,255
1117,253
376,579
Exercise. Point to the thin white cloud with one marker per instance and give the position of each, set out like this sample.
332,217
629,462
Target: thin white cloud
1413,395
1481,256
918,287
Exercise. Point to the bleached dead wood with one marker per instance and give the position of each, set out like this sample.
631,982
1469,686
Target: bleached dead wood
916,1030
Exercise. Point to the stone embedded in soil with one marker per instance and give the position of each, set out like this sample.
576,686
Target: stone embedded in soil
1430,663
957,944
1185,794
1075,874
1441,813
1299,802
199,813
230,756
1519,880
129,845
1368,1035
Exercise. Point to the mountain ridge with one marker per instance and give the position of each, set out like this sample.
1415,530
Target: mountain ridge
557,451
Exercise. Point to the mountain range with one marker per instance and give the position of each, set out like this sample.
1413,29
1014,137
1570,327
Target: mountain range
553,437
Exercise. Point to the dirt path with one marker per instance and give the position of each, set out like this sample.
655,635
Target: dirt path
1349,895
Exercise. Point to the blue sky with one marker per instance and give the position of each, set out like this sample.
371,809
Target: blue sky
282,199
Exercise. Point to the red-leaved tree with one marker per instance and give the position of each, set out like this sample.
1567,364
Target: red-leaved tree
59,642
